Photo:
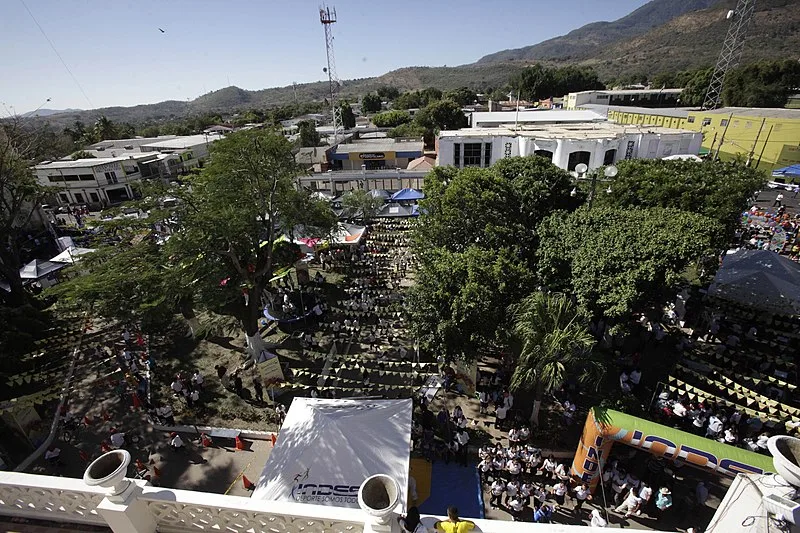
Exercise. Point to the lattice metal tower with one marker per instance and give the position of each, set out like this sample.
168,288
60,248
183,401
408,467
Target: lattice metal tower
327,16
731,51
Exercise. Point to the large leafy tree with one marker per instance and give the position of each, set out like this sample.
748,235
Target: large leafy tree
551,343
715,189
441,115
762,84
308,133
104,129
244,200
462,96
20,199
391,119
371,103
362,203
459,301
348,117
620,261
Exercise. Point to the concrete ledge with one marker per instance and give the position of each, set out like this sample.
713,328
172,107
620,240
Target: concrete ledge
196,430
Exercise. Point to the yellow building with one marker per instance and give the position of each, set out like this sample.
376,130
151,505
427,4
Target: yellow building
769,137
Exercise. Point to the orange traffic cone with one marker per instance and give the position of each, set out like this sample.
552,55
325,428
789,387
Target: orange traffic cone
274,439
87,420
206,440
239,444
248,485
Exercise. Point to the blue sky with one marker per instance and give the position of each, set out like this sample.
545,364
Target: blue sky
119,57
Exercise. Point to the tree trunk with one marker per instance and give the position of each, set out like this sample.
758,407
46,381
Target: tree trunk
537,404
187,311
252,313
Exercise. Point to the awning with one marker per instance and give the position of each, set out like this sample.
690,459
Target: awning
71,254
404,195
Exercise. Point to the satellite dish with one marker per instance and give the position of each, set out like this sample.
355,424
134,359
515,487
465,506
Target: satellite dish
611,171
581,168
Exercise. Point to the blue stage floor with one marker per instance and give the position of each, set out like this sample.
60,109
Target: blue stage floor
453,484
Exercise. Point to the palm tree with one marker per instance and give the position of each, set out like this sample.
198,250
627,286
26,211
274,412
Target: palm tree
553,343
104,129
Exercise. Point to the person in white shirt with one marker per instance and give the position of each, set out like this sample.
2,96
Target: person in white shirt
539,496
635,376
485,469
714,427
645,493
582,494
497,493
679,410
508,400
176,442
176,386
513,468
524,433
512,436
512,489
549,466
597,519
632,481
500,417
197,379
559,491
516,506
618,486
525,491
562,472
630,505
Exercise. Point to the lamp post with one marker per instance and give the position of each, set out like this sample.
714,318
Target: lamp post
580,171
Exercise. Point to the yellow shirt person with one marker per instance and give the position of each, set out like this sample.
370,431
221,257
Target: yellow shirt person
453,524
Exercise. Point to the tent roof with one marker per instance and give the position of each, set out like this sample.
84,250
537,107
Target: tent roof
71,254
407,194
379,193
760,279
393,209
37,269
791,170
337,444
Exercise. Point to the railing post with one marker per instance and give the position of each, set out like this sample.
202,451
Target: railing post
126,513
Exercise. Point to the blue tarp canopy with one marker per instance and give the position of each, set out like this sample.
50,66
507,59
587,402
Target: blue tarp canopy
792,171
379,193
407,194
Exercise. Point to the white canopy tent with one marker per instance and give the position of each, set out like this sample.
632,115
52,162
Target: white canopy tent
71,255
760,279
327,448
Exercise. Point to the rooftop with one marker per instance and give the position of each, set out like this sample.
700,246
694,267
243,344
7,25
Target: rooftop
541,116
674,112
596,130
765,112
123,143
381,145
623,92
92,162
180,143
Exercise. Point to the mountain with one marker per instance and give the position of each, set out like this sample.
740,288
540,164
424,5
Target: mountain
44,112
586,40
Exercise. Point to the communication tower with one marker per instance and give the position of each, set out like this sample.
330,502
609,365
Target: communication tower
327,16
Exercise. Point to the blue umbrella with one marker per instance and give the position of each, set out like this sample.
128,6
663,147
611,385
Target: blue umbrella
407,194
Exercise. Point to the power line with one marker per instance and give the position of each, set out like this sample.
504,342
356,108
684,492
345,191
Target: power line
91,105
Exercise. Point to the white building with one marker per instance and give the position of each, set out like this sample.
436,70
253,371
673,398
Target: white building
497,119
105,179
625,97
566,145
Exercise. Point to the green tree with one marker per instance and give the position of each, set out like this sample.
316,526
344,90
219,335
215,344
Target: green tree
715,189
20,198
308,133
462,96
149,131
537,81
364,204
231,220
695,84
551,343
78,134
429,95
391,119
348,117
409,100
411,130
388,93
459,301
762,84
620,261
104,129
371,103
441,115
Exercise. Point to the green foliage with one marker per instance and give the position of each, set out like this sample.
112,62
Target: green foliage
462,96
391,119
411,129
763,84
460,299
417,99
363,203
308,133
441,115
82,154
620,261
388,93
371,103
717,190
537,81
348,117
552,343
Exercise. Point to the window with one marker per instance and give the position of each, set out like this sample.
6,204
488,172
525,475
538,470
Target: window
457,154
64,197
723,122
472,154
610,156
547,154
86,177
78,197
95,198
487,154
576,158
690,119
111,177
706,122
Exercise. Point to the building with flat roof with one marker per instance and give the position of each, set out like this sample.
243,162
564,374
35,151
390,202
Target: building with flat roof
508,119
768,137
375,154
625,97
566,145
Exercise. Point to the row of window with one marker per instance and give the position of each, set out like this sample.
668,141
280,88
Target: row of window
475,155
71,177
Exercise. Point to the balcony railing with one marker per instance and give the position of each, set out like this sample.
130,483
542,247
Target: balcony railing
70,501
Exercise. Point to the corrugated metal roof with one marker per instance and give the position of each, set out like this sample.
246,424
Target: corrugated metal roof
381,145
760,112
673,112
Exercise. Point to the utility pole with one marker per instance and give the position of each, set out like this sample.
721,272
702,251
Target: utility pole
731,51
327,16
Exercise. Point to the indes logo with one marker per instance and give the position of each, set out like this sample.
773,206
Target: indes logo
322,492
